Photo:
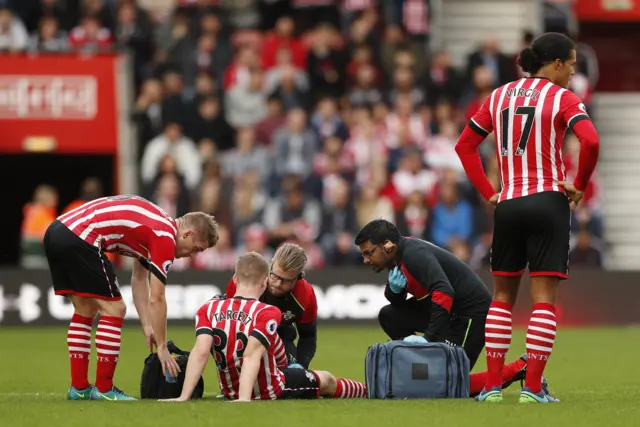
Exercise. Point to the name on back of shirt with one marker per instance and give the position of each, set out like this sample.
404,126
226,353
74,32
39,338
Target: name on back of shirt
238,316
526,93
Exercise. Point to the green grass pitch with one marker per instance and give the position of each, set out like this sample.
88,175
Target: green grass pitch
593,372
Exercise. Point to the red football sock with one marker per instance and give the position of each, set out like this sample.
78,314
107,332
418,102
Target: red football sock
497,332
541,335
79,344
108,346
346,389
509,371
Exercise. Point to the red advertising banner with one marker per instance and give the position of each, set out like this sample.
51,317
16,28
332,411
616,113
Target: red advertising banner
607,10
59,103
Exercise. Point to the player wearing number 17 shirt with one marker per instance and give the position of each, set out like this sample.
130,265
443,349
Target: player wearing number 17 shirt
242,334
75,245
529,118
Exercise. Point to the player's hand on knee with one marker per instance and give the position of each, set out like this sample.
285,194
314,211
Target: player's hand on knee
494,199
415,339
397,281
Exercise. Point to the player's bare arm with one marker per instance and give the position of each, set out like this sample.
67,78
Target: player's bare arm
140,292
198,359
250,368
158,315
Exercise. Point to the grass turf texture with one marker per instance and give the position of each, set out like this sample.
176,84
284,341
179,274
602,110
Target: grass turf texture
591,371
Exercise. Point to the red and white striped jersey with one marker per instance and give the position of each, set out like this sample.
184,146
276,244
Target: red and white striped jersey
231,322
529,117
130,226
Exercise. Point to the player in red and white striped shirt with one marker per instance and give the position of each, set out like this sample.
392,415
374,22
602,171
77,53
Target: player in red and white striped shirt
242,334
75,246
532,218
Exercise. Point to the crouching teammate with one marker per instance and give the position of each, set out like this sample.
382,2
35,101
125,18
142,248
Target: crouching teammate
450,302
294,296
242,334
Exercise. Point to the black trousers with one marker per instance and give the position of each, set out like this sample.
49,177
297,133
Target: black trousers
411,316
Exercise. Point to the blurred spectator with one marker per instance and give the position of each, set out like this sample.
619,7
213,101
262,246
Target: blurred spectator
101,10
247,203
362,57
90,36
497,62
326,64
222,256
290,89
482,87
135,34
255,238
292,215
397,50
404,126
174,107
339,225
411,176
38,215
284,67
172,142
442,79
147,113
170,196
452,218
274,120
404,85
364,92
326,121
13,34
213,192
63,12
295,146
246,105
440,153
371,205
282,40
238,73
413,219
90,189
246,157
207,56
49,37
585,253
209,123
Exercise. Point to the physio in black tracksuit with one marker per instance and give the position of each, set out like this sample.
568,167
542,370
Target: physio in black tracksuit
448,303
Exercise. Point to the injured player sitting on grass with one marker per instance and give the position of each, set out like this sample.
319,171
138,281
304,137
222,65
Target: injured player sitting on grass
241,333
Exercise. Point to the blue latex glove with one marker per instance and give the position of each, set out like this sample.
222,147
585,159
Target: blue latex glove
296,366
415,339
397,281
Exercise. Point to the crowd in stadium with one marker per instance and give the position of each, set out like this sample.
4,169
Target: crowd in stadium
298,120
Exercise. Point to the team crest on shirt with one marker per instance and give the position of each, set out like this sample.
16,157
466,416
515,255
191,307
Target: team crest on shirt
166,266
288,315
582,107
272,327
310,376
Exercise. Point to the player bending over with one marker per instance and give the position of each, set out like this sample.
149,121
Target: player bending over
75,246
294,296
532,220
242,334
449,301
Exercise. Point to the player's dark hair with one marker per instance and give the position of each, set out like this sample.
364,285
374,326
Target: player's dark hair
377,232
544,50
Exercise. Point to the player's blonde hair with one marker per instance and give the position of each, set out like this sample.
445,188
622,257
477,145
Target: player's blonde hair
205,225
251,269
290,257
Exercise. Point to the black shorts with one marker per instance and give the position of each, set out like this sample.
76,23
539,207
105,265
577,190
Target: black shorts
300,384
533,230
78,268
